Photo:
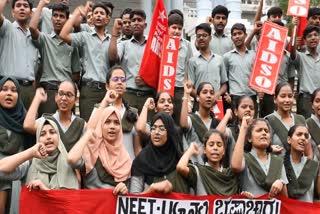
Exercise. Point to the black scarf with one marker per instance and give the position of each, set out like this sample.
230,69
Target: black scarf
12,119
157,161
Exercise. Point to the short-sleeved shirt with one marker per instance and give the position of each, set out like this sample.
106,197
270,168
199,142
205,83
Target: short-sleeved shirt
220,44
308,71
130,53
59,59
18,56
185,53
202,70
45,20
95,59
239,69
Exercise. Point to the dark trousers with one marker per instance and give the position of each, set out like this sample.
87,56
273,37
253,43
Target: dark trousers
50,106
177,104
27,94
267,105
304,105
136,99
89,96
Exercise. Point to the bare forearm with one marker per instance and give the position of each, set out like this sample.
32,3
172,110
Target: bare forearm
182,166
77,150
113,51
29,123
10,163
238,152
141,124
34,22
184,112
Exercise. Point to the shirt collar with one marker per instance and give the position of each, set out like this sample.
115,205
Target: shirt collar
236,51
16,25
223,35
136,41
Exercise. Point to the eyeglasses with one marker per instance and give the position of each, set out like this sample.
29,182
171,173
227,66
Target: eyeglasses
161,129
116,79
198,36
68,95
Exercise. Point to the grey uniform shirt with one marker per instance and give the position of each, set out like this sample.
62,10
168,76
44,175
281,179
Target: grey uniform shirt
308,72
60,60
287,69
18,56
130,53
239,70
220,44
248,182
202,70
95,59
184,54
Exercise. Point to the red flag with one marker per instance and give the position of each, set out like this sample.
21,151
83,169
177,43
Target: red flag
168,67
150,65
269,56
218,109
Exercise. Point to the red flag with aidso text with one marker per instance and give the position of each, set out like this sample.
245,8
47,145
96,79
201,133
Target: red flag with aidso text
150,65
269,56
168,68
298,8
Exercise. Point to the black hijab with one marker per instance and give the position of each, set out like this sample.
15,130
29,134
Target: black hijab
157,161
12,119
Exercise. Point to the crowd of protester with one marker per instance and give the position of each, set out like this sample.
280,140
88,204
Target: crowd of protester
134,140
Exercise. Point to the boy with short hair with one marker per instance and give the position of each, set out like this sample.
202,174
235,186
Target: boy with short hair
239,63
220,42
95,44
207,66
175,23
129,54
308,67
60,60
126,31
18,56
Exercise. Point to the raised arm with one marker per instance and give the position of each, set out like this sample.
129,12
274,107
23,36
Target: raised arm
223,123
293,51
109,98
141,125
34,22
67,28
30,124
184,109
10,163
76,152
238,152
182,166
113,51
256,30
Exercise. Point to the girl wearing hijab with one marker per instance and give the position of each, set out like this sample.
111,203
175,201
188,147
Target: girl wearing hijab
101,155
52,172
12,114
154,169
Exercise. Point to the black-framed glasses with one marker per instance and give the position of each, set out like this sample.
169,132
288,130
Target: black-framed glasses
68,95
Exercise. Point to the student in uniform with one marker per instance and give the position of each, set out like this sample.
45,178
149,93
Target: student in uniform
282,119
129,55
126,31
313,123
116,81
95,46
101,155
211,178
261,172
18,56
302,173
12,114
175,22
239,63
71,127
308,67
154,169
220,43
60,61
